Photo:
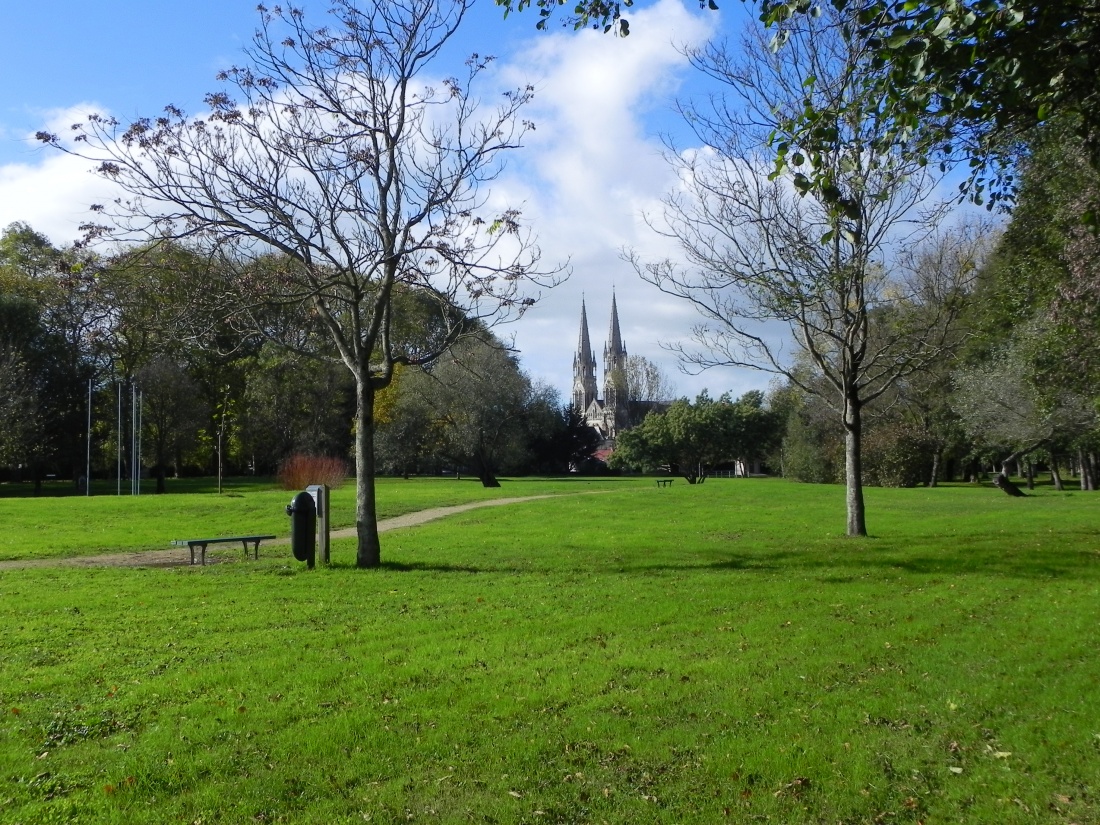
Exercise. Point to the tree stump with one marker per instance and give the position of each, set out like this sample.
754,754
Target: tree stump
1002,482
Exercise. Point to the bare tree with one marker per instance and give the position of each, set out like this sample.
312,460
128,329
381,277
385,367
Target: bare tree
645,386
755,253
332,146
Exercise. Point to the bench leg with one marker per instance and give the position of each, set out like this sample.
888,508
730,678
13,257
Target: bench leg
202,552
255,548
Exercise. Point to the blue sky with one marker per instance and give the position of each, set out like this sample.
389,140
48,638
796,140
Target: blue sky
590,170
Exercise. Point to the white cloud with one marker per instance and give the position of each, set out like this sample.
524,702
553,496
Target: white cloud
588,172
586,177
53,193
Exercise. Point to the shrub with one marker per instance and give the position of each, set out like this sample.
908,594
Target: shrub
300,470
896,455
813,449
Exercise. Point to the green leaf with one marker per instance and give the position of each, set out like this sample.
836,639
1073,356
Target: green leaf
944,25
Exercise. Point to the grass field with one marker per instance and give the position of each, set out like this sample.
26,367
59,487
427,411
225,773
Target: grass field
692,654
52,527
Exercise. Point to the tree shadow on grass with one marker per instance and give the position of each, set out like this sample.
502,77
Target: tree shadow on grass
839,563
841,566
436,567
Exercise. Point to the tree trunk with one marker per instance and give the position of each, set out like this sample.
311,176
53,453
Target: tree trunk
853,467
934,478
369,552
1002,482
1030,474
1087,469
1055,476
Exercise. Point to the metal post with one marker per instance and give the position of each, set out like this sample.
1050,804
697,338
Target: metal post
119,435
88,455
140,416
133,439
319,492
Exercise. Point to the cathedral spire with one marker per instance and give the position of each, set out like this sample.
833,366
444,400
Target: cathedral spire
614,338
584,368
584,344
614,369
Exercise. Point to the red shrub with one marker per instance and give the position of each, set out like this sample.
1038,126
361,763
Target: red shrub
300,470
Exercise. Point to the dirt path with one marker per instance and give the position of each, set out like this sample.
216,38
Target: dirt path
178,556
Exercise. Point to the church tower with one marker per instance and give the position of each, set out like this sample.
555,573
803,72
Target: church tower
584,368
614,368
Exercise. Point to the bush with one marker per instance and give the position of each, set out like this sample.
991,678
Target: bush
896,455
813,449
300,470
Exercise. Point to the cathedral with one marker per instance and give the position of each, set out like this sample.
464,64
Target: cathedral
607,415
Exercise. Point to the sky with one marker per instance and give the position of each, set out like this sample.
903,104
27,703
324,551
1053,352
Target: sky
584,179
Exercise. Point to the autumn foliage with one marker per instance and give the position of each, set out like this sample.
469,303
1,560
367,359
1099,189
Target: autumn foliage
301,470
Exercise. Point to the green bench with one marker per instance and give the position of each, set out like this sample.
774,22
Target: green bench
664,482
201,544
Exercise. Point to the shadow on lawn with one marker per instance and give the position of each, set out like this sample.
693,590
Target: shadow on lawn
837,565
841,565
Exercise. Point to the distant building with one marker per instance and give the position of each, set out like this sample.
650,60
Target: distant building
609,414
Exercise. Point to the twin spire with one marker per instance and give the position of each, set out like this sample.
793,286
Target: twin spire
607,413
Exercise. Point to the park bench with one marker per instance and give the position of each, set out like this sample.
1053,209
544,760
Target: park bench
201,544
664,482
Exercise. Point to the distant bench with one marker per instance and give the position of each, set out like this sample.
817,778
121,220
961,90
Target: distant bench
201,544
664,482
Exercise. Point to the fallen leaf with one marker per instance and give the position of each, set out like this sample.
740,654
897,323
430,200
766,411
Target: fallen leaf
955,770
1002,754
516,794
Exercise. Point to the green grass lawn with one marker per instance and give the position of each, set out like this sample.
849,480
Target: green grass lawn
51,527
709,654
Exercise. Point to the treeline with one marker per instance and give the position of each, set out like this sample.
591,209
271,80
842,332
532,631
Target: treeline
1014,389
1016,393
183,388
1020,392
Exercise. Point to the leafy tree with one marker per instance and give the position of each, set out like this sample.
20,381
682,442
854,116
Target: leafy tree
408,434
19,421
689,439
332,147
575,442
969,78
755,252
479,402
172,413
813,439
1005,411
294,404
38,401
965,76
68,342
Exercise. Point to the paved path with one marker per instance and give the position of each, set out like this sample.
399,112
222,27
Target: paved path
178,556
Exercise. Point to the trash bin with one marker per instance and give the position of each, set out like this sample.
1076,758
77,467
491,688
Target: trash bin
303,528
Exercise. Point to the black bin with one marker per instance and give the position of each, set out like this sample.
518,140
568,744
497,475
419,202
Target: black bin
303,528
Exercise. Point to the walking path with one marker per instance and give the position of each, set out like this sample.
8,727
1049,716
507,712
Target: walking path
182,556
